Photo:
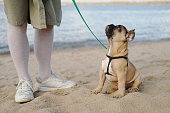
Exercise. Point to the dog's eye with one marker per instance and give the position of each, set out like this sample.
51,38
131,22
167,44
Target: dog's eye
119,28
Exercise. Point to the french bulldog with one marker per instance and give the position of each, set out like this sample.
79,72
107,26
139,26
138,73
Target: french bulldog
116,66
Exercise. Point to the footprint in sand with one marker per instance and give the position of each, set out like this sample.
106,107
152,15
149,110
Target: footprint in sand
150,78
83,82
167,72
3,96
60,92
161,62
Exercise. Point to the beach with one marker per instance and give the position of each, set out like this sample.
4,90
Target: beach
152,60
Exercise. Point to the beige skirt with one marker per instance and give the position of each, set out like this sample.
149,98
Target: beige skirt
38,13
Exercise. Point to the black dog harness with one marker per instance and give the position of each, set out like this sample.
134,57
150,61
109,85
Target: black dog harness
111,58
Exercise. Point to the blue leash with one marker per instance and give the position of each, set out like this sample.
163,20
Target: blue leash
87,24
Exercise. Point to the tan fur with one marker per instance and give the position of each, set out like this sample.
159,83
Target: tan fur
123,76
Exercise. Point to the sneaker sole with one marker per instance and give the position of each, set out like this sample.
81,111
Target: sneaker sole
50,89
23,100
38,87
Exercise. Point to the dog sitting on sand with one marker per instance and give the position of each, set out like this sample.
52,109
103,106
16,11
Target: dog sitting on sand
116,66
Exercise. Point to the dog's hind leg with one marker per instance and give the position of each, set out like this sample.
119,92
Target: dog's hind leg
112,88
102,79
136,84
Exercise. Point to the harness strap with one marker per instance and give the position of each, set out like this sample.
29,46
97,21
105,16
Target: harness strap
111,58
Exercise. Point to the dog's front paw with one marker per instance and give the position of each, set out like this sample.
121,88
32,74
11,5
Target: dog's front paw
118,94
130,90
96,91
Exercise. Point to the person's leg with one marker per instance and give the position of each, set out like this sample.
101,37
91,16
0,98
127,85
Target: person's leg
19,49
43,45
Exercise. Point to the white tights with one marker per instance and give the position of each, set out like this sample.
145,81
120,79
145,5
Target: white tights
19,49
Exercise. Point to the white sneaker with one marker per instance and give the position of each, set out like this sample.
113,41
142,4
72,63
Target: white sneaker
53,83
24,91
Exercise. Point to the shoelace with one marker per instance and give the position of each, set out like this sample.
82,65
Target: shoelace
54,77
21,82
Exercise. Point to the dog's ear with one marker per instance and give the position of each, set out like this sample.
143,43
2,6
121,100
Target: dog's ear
108,31
130,35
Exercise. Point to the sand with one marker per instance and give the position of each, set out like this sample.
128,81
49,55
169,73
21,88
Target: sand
152,59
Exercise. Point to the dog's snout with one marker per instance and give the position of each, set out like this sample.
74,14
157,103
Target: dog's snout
109,30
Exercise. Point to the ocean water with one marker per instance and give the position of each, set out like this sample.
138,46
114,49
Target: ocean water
151,23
